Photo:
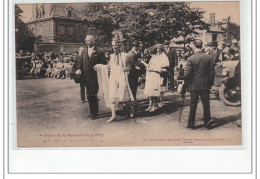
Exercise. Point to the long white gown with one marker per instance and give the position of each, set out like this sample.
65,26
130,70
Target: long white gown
119,90
116,88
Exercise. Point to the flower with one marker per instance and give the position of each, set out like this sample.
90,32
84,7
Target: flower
118,36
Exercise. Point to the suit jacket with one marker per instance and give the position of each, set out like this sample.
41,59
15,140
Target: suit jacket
215,56
172,56
132,62
86,64
200,71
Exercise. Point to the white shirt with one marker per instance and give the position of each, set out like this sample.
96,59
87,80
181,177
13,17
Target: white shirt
90,51
167,50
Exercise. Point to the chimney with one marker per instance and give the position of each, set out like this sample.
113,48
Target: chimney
212,19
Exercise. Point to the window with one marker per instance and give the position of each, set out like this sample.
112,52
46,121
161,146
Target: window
214,37
61,30
69,13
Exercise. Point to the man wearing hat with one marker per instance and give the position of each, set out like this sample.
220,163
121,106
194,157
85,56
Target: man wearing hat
215,52
89,57
199,77
172,56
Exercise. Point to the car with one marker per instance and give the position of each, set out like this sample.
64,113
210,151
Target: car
227,83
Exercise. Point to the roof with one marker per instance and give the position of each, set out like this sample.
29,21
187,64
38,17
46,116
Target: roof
76,9
215,29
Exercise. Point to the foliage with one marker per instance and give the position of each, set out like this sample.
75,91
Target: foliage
24,37
232,30
149,22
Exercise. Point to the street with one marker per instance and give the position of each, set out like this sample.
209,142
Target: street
50,114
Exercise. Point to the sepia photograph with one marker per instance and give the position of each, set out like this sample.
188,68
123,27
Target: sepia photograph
128,74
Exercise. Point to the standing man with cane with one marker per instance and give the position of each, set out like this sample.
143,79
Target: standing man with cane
199,77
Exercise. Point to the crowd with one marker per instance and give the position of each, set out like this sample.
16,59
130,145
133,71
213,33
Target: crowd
116,76
50,65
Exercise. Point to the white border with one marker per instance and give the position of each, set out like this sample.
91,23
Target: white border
173,161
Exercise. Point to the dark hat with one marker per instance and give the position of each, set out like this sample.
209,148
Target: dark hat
232,51
214,43
166,42
197,43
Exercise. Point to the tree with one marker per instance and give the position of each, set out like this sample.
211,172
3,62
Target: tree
25,39
149,22
232,30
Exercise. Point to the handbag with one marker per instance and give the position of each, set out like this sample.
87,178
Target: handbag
165,74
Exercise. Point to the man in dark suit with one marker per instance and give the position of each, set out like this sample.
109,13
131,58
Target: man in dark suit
89,57
215,52
199,77
172,56
134,66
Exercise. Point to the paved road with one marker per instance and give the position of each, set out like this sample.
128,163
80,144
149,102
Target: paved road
50,114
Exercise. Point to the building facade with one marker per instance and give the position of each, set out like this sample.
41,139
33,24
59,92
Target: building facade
57,26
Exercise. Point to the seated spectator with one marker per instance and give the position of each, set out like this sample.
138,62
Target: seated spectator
233,56
68,69
38,68
49,68
60,71
234,46
53,72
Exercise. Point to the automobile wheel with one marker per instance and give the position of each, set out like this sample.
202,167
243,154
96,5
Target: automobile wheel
228,98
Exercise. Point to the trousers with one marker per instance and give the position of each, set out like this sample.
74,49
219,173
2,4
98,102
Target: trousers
194,97
92,99
171,78
133,83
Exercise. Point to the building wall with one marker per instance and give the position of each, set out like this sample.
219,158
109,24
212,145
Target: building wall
57,48
220,38
66,31
45,29
208,37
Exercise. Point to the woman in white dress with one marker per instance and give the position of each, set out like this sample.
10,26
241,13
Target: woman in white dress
153,86
119,90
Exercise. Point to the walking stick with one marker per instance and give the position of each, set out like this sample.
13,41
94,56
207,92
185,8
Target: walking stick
183,91
181,108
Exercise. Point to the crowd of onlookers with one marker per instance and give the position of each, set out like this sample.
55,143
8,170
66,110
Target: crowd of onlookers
62,66
50,65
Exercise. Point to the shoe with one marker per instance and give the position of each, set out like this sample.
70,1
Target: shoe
113,118
148,109
92,116
132,115
160,105
153,109
190,127
83,101
208,125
